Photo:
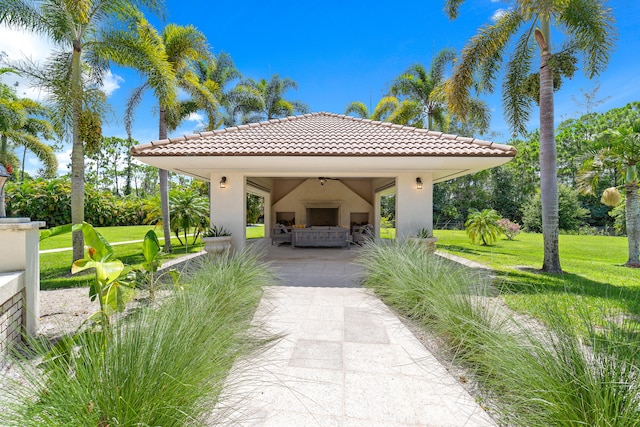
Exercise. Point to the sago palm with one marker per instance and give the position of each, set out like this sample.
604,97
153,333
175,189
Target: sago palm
72,69
189,210
588,25
166,62
483,225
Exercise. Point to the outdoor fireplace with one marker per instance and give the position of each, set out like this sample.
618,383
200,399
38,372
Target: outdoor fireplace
322,216
322,213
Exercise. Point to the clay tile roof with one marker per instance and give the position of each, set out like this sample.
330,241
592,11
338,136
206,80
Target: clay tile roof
323,134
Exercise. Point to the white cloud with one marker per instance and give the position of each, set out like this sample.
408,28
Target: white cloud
498,14
193,117
111,83
64,161
20,45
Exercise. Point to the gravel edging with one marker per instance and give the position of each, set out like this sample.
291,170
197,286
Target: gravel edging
62,311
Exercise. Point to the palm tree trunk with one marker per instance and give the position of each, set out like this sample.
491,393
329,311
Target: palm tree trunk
632,211
77,157
548,173
164,187
24,159
4,148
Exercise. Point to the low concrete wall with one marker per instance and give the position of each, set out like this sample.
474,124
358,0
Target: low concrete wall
12,309
19,279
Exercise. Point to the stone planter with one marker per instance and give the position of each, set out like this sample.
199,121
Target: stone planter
217,245
426,243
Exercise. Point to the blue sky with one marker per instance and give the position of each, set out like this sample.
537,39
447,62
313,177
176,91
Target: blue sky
343,51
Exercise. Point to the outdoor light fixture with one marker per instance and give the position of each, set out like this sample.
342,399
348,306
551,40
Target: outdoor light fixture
419,183
223,182
4,176
322,181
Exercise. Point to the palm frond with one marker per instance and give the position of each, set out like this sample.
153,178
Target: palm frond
451,8
41,150
517,105
442,59
358,109
132,102
384,108
482,53
590,24
409,112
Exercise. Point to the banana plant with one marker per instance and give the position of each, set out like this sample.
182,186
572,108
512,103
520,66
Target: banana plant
108,285
151,250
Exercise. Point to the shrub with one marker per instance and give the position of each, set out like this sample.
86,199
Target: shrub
508,228
571,214
50,200
165,365
483,225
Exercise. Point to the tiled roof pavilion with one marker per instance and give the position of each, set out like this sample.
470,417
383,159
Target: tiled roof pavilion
323,134
282,159
327,135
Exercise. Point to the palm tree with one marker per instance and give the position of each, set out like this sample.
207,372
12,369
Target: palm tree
166,61
589,28
272,94
189,210
619,148
20,125
424,91
384,110
70,72
484,225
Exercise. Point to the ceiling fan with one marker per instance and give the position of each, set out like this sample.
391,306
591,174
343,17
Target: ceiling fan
324,179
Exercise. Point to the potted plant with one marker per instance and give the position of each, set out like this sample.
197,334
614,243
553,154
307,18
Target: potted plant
425,240
217,240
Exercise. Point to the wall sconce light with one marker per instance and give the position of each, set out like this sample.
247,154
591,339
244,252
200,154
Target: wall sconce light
322,181
223,182
419,183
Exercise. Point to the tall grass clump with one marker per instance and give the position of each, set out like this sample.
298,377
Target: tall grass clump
435,292
535,375
164,365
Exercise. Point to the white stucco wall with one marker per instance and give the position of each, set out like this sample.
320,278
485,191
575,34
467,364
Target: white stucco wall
19,251
414,208
228,205
332,191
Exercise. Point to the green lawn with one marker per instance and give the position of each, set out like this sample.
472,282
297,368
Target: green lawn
112,234
387,233
255,231
55,267
594,276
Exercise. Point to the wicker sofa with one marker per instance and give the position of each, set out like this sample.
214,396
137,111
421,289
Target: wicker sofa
281,234
320,237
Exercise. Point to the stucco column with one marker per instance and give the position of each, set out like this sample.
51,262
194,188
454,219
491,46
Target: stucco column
414,207
20,243
376,215
267,215
229,205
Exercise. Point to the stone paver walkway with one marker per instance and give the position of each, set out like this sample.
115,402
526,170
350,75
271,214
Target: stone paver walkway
345,360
